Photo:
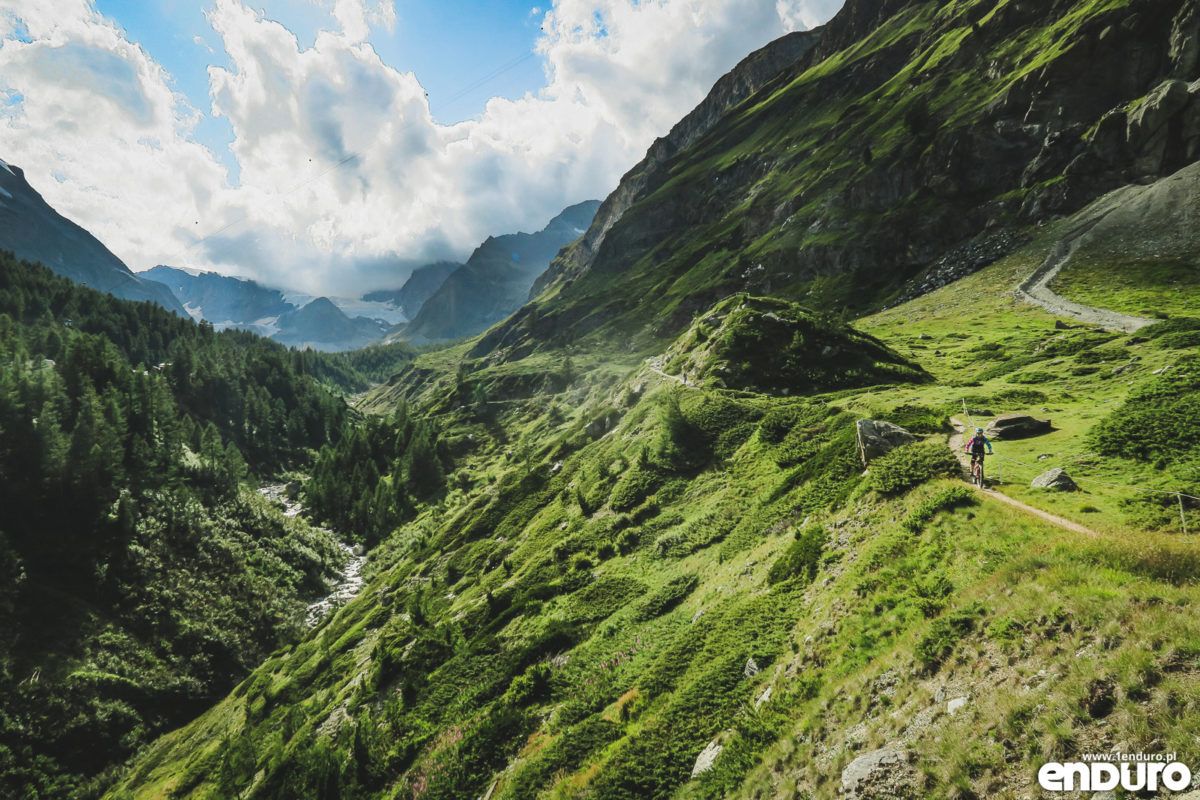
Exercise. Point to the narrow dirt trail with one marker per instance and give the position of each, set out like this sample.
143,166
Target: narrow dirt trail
655,365
958,442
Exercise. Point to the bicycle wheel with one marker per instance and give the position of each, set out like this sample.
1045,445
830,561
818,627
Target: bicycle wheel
979,474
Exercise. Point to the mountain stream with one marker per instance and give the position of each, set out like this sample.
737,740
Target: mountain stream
349,582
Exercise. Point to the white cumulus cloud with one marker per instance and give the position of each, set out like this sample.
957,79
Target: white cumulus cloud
345,178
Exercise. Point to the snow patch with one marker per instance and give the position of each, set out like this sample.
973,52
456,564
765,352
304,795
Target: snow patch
8,169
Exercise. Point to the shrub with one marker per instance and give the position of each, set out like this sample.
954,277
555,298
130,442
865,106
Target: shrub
802,558
943,637
1162,418
1181,340
671,544
528,687
638,483
603,597
780,421
942,501
627,542
916,418
1170,326
911,465
670,595
680,446
1034,376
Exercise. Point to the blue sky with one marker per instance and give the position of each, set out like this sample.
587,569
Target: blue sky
463,52
331,146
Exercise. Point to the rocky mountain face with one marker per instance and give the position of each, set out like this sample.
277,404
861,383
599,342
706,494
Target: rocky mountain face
750,75
222,300
229,302
321,325
34,231
496,279
902,132
420,286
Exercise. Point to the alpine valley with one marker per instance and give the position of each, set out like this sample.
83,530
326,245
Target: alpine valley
666,500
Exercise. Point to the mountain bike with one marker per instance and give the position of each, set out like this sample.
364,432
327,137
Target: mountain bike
977,471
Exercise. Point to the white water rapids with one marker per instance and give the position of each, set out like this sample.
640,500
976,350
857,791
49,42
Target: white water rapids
349,582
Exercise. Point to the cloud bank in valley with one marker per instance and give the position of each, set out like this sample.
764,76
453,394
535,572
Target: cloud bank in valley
345,180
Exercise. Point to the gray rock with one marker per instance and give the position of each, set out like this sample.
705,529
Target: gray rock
1148,126
751,668
879,774
707,758
954,705
877,438
1017,426
1156,110
1056,479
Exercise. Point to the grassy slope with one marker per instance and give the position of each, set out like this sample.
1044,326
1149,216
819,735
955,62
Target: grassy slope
541,562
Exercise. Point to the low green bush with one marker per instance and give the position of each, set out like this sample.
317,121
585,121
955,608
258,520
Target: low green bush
910,465
944,500
638,483
1159,419
802,558
916,418
670,595
943,637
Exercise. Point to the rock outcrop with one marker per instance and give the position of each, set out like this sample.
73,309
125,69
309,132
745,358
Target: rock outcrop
1017,426
1056,479
707,758
878,438
879,774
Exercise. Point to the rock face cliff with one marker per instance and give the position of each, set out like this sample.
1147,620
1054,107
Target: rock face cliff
750,75
34,231
903,132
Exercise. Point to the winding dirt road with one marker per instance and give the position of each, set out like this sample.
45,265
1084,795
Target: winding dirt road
1036,288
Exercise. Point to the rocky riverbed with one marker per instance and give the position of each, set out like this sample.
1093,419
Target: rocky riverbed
349,581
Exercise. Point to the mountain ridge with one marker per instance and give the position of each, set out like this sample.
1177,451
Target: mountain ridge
35,232
495,280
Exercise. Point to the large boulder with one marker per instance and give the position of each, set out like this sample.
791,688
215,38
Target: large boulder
1056,479
878,774
878,438
1017,426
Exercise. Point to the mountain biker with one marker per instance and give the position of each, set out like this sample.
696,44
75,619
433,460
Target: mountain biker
976,446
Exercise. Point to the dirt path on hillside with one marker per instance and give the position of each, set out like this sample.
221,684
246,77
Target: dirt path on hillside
655,364
1036,289
957,444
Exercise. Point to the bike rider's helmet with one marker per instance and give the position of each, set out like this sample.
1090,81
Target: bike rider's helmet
979,431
